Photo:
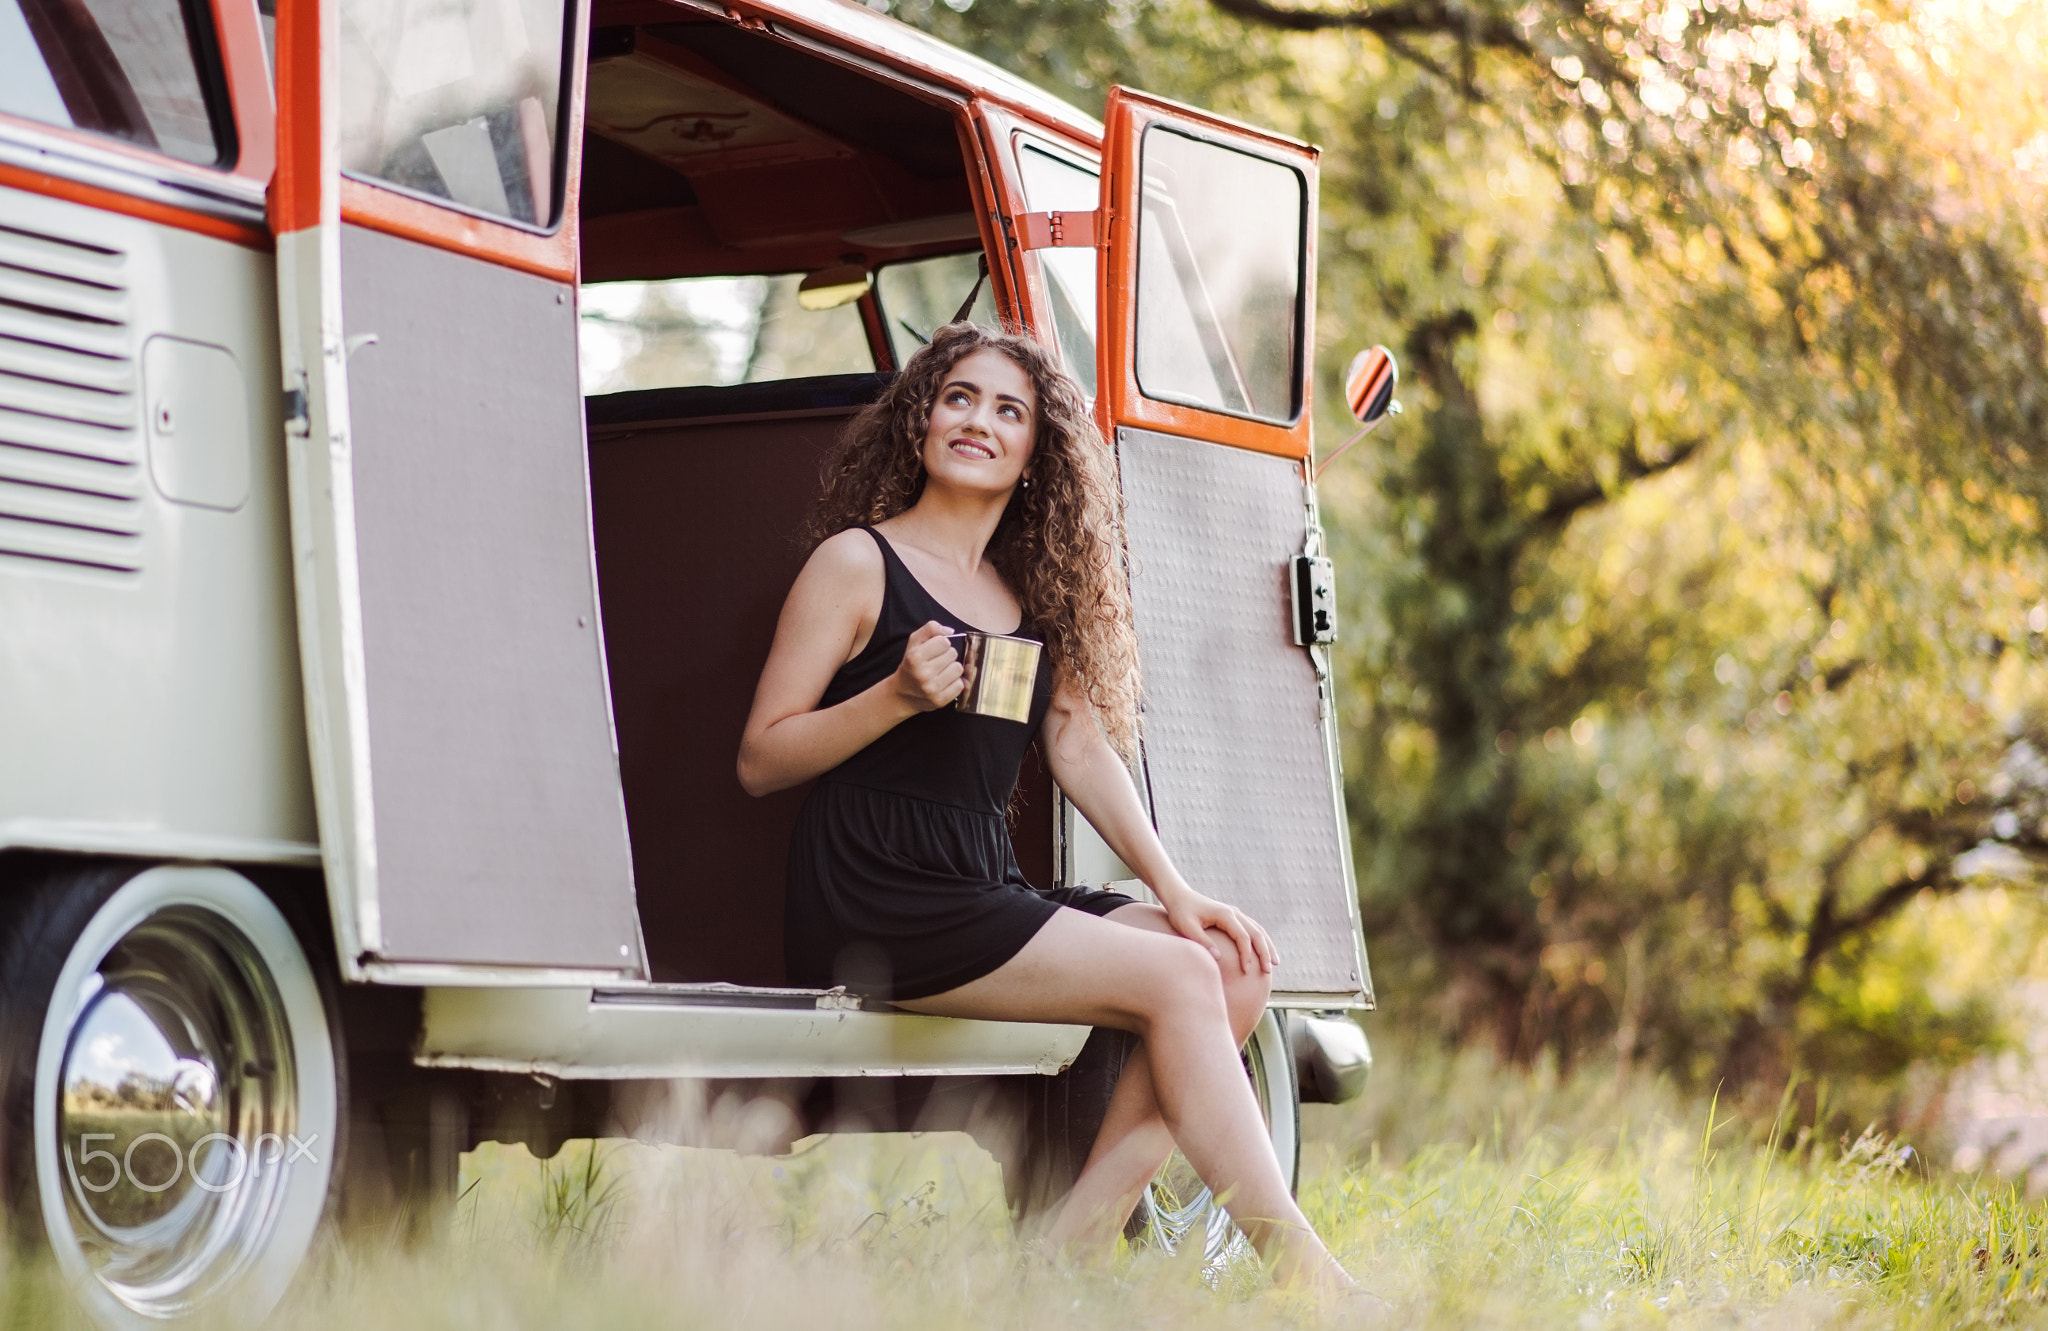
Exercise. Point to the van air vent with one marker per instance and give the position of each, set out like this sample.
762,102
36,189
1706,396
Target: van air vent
71,474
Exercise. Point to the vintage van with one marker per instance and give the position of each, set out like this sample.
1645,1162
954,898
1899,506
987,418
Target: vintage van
369,692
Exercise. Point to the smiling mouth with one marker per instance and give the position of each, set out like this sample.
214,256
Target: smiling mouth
973,450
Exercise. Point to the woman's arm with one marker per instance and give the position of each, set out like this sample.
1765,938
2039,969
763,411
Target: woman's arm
1095,779
825,622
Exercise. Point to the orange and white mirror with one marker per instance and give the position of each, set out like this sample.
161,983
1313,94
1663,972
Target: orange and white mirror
1369,385
1369,391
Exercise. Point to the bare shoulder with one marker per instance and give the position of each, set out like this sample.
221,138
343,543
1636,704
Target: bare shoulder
843,576
847,563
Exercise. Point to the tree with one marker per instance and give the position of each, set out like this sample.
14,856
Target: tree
1691,599
1881,321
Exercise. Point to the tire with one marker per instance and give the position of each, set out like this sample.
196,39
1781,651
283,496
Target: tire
406,1136
1061,1116
168,1090
1178,1208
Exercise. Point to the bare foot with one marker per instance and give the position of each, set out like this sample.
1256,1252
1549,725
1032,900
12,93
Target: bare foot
1330,1277
1298,1259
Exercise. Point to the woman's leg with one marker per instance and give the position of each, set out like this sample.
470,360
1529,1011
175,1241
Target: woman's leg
1134,1141
1166,991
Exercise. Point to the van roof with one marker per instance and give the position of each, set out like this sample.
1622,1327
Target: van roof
848,24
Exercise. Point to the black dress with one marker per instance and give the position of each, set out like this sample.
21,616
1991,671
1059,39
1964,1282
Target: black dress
902,879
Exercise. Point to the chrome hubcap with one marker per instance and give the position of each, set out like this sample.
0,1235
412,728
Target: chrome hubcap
1180,1209
176,1111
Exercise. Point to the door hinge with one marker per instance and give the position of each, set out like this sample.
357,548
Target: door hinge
1045,231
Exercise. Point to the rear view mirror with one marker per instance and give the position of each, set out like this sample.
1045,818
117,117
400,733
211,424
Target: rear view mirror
1369,386
1369,390
829,288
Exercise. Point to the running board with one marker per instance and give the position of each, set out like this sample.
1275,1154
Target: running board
720,1032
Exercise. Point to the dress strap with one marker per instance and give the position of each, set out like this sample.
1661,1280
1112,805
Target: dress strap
899,586
889,555
901,581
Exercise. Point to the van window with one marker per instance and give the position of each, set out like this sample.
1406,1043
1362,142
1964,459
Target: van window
1219,277
456,99
920,295
135,70
1054,184
695,331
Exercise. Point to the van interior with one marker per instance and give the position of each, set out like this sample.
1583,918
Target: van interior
767,232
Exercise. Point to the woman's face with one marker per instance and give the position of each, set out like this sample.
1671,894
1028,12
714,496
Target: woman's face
984,422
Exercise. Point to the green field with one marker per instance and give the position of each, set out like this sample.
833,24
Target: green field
1463,1194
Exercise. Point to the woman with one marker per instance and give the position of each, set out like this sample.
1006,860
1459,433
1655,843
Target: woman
975,495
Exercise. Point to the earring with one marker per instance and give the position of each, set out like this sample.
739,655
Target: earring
1027,482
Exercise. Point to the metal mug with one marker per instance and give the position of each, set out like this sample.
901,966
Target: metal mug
1001,674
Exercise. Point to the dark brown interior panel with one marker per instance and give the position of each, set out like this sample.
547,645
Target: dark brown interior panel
699,497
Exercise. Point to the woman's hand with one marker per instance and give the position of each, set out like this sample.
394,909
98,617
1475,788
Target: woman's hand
930,675
1193,915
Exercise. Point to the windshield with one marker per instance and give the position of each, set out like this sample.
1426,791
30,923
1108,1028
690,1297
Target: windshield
692,331
919,295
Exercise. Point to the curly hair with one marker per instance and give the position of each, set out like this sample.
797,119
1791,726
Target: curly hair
1057,544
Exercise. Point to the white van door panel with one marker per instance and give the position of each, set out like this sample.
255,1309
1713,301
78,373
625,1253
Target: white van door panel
1234,738
464,762
1207,281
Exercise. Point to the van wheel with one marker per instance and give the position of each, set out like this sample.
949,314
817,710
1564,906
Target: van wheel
1060,1116
1178,1209
168,1090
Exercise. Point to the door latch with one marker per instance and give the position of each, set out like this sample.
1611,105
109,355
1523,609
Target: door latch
1314,588
297,417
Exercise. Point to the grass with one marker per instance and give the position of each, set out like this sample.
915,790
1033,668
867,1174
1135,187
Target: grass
1483,1198
1463,1193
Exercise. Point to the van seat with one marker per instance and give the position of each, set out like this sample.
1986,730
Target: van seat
840,393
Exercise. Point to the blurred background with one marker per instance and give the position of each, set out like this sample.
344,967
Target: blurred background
1695,636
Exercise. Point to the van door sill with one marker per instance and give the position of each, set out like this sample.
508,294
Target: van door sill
716,1032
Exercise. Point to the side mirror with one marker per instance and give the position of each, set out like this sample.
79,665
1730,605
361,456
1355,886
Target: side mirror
1369,390
1369,386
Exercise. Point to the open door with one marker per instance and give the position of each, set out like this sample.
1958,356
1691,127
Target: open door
464,762
1206,312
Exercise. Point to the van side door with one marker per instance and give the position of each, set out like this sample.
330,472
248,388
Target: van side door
465,769
1205,320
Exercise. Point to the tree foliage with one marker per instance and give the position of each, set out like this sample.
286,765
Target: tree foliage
1696,607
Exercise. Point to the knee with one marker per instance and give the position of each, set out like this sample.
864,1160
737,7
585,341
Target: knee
1246,990
1245,995
1185,983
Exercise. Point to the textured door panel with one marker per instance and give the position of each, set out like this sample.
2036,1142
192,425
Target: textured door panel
1234,744
500,827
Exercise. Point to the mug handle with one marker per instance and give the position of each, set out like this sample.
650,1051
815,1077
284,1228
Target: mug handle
970,665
